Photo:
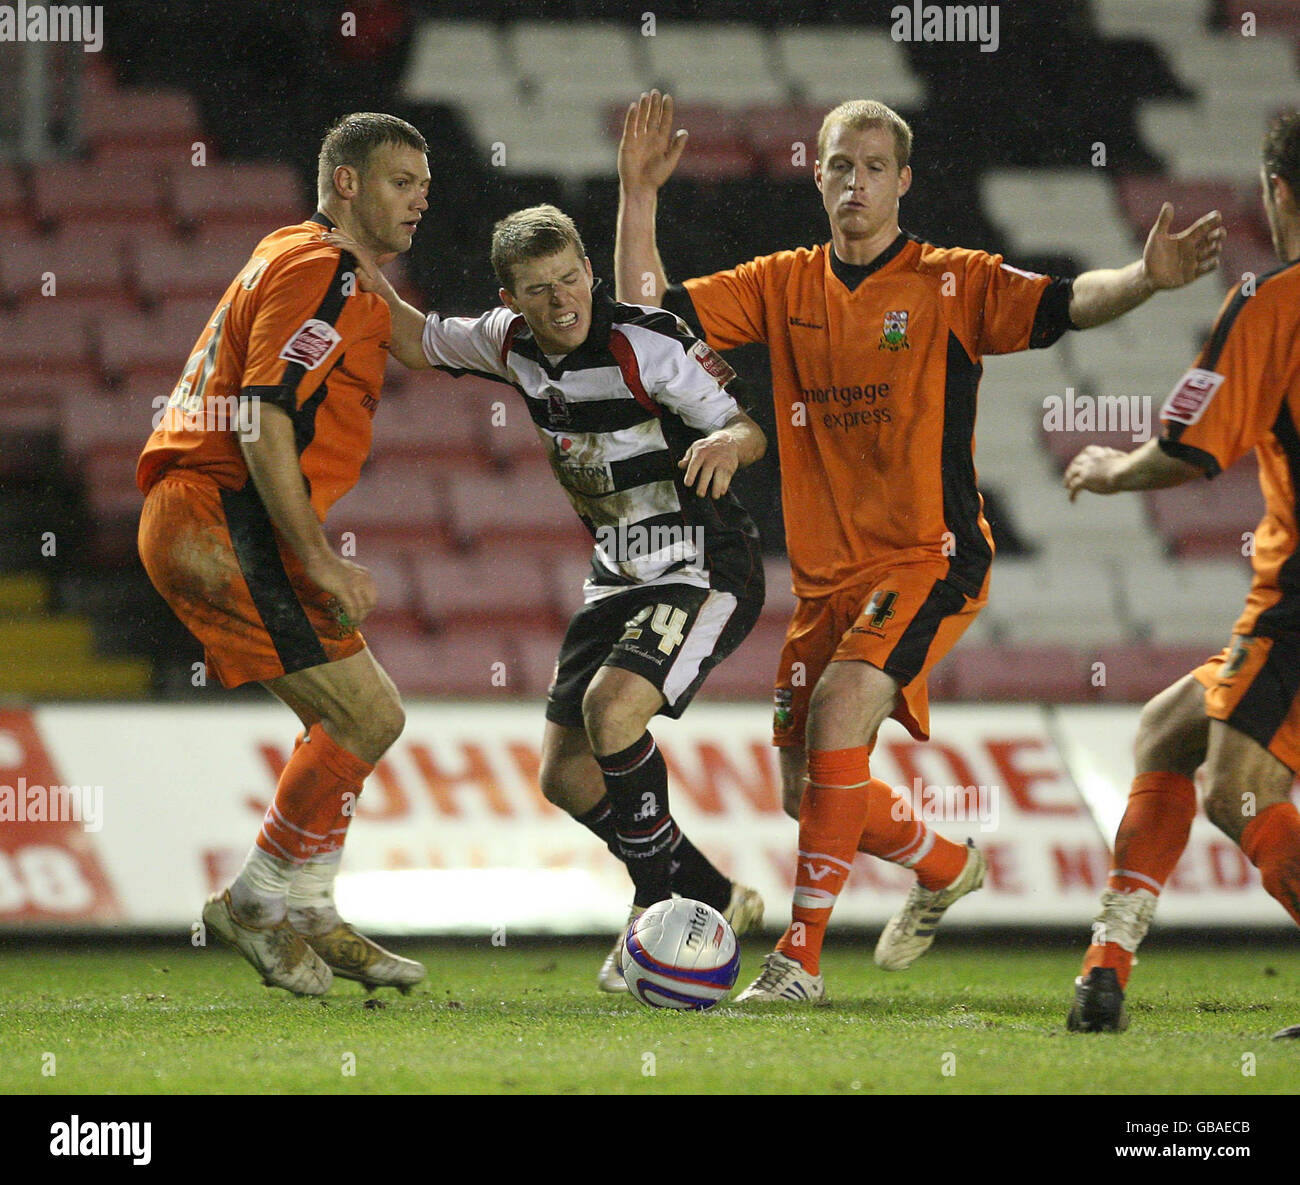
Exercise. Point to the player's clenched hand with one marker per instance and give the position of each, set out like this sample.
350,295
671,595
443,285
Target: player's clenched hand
1093,469
349,587
711,463
1170,261
650,149
369,277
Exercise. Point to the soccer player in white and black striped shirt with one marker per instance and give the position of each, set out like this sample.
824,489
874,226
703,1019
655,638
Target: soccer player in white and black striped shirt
644,438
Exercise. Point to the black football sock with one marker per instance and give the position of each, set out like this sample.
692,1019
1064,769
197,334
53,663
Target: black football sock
636,779
695,877
600,822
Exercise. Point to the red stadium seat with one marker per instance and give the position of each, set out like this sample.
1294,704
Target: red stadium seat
527,506
1275,16
34,342
67,191
450,664
1045,674
71,264
1207,518
156,343
417,425
257,196
1137,671
773,129
535,655
779,605
717,162
134,117
167,268
398,505
493,586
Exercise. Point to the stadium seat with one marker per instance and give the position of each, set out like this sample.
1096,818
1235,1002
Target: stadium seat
398,504
64,191
1040,602
526,507
14,204
702,62
452,664
780,602
823,64
47,269
167,268
1277,16
460,62
256,196
420,425
1137,671
33,342
133,117
1194,603
1209,517
535,655
157,343
1043,673
556,59
490,586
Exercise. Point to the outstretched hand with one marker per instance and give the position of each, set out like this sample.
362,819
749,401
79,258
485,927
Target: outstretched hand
1170,260
650,149
369,277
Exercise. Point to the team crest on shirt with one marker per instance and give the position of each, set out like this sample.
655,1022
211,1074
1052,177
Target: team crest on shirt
894,335
782,702
557,410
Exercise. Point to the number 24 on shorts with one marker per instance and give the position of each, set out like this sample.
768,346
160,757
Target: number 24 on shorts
667,622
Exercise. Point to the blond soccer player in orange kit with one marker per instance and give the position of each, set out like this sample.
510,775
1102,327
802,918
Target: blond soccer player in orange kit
1239,713
875,341
267,427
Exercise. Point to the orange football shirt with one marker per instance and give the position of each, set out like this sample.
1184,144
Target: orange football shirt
875,390
1244,392
294,330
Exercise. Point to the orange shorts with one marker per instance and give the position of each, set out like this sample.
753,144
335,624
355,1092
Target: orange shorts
1254,686
215,558
901,619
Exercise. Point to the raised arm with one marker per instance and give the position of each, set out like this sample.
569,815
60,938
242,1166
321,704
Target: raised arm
1113,471
647,155
408,321
1168,261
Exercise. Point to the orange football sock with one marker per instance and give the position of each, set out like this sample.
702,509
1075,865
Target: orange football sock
830,820
1149,843
1271,842
314,800
894,834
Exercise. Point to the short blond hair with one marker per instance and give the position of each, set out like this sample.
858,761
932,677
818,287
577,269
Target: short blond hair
859,114
535,233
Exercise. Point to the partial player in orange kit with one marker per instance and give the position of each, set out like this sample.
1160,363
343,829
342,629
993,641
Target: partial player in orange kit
875,341
1239,713
267,427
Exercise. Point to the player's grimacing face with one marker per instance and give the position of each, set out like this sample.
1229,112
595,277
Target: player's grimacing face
554,295
392,196
860,180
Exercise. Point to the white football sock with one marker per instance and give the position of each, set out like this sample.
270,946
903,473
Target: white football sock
311,894
259,892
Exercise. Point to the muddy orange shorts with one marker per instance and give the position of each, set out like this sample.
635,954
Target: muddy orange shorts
1254,685
216,560
901,619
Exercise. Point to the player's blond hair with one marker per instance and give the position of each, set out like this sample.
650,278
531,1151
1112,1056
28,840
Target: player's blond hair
354,137
534,233
860,114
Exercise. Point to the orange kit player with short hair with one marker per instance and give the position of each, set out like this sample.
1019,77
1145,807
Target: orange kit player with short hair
266,429
1239,713
875,341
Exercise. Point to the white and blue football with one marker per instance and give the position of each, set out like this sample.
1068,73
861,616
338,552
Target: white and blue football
680,954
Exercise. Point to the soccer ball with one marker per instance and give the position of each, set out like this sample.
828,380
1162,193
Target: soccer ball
680,954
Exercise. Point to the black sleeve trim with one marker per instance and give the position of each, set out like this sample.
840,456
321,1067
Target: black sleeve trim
1192,455
1053,316
280,396
677,300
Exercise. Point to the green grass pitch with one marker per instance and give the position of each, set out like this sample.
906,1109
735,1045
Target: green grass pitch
970,1018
